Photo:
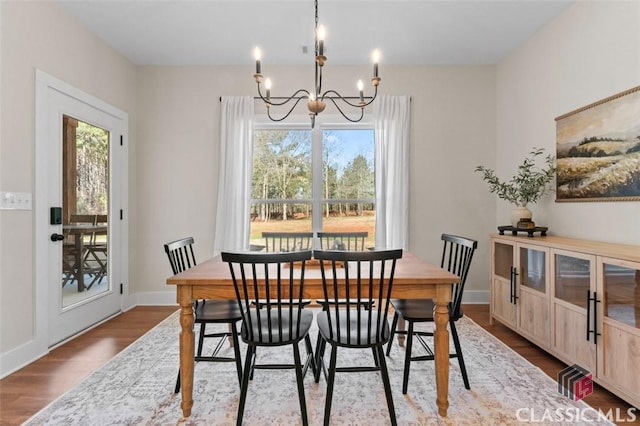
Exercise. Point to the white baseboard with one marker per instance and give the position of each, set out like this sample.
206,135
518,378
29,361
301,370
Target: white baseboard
480,297
155,298
20,357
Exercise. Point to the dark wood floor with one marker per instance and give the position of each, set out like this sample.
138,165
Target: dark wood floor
25,392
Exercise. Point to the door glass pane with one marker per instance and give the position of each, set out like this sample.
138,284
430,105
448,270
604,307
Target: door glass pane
532,270
85,189
622,298
503,260
572,279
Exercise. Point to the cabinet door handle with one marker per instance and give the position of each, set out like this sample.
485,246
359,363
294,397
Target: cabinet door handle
588,314
595,319
515,287
595,302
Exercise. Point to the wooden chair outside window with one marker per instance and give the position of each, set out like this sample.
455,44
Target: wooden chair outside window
287,241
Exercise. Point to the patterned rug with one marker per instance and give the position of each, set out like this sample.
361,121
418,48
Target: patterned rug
136,388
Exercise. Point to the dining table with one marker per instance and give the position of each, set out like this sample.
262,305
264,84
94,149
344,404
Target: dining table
414,278
79,232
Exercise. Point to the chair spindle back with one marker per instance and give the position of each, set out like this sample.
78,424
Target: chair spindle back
180,253
351,281
277,280
457,254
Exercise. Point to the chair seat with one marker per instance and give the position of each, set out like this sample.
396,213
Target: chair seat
217,311
278,330
365,336
417,310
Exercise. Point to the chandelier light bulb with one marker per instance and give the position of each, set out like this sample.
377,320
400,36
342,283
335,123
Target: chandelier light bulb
321,33
267,85
360,89
257,53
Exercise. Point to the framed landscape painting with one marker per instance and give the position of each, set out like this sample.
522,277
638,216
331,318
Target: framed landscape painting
598,150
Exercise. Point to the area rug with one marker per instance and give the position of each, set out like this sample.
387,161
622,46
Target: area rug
136,388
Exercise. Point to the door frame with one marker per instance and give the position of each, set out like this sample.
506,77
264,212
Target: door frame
43,84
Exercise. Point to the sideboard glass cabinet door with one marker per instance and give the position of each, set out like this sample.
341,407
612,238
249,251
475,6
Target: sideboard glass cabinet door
619,342
574,284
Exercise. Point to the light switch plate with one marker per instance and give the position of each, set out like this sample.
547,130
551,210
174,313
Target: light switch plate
15,200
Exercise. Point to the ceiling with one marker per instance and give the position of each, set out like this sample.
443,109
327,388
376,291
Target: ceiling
224,32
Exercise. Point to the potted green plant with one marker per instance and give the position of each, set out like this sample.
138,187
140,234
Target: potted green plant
528,185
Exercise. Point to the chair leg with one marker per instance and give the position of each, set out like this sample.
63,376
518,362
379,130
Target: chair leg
236,351
201,338
245,384
330,383
456,342
300,380
394,324
387,385
307,342
177,388
375,357
407,358
320,347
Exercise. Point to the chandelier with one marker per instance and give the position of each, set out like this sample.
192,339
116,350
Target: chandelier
316,99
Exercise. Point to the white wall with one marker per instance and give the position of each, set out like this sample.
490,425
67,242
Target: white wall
40,35
453,130
590,52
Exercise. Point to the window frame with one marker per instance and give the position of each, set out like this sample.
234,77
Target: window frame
323,122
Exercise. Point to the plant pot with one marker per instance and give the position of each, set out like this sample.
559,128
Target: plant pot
518,213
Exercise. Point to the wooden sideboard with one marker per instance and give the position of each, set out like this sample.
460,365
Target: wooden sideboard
579,300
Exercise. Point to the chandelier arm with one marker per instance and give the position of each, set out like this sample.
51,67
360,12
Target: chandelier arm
339,96
342,112
287,114
287,100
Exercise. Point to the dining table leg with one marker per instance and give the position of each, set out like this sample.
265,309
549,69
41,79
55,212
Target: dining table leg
441,343
187,341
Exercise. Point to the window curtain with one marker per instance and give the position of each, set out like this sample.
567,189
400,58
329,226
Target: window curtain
234,178
392,123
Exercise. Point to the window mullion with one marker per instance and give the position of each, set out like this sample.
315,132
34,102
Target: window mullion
316,161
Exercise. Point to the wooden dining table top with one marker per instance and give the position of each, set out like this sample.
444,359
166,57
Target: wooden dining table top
414,278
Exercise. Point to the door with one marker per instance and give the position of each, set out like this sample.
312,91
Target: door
84,199
533,302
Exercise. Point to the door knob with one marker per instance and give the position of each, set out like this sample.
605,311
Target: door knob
57,237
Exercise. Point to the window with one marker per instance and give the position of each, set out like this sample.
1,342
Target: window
320,179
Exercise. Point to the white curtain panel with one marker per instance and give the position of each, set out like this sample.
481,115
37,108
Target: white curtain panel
234,179
392,123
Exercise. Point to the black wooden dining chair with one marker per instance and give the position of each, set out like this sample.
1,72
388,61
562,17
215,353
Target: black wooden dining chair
277,279
349,241
287,241
181,258
363,277
457,254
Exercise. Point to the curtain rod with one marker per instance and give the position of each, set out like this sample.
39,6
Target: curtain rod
258,98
